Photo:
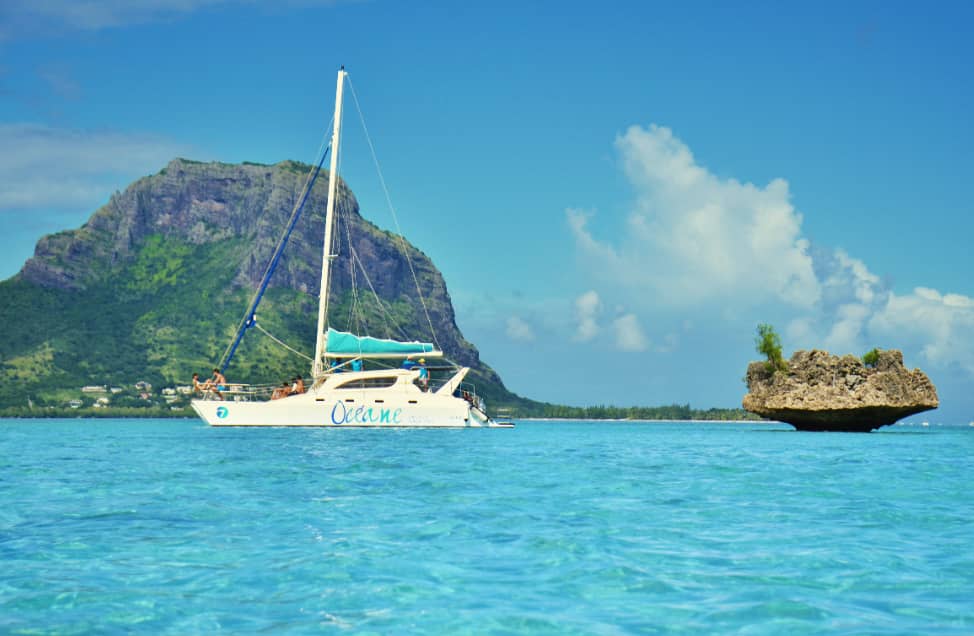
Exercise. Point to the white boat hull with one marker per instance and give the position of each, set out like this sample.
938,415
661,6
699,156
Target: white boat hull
311,409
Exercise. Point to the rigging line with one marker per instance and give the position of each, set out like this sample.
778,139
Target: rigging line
345,221
390,319
357,310
395,218
356,320
283,344
357,307
350,322
249,317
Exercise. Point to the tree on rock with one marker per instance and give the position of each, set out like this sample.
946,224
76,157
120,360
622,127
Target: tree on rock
871,358
769,344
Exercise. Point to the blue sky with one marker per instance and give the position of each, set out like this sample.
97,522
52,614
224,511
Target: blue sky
616,195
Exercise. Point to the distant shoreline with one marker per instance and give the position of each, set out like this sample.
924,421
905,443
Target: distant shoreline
639,420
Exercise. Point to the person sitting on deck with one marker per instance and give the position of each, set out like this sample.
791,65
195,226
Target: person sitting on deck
200,387
282,391
298,386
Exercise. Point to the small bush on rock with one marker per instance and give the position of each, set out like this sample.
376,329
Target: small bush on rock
871,358
769,344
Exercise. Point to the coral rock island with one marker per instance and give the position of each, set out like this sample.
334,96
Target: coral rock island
823,392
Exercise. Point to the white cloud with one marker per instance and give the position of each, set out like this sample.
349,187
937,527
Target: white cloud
847,280
857,313
629,334
93,15
42,167
99,14
851,295
846,332
941,326
518,329
722,248
694,237
587,308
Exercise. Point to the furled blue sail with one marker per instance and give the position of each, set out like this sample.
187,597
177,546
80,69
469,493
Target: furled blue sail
343,344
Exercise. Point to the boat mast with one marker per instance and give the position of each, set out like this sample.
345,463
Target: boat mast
317,366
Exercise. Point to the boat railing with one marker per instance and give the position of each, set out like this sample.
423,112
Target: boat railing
236,392
468,392
436,381
435,384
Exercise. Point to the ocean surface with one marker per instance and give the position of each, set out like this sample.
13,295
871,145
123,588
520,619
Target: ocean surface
170,527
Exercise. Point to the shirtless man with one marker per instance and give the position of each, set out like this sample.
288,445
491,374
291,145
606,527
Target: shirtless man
218,383
281,392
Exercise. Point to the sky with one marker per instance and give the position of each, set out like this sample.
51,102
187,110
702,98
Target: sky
617,195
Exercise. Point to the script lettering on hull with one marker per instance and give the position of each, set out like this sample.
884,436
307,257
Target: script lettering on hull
364,415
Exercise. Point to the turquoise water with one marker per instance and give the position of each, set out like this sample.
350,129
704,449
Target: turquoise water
156,526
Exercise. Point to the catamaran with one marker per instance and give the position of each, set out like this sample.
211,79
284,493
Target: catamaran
356,380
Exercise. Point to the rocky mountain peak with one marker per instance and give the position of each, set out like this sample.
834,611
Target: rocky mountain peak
247,206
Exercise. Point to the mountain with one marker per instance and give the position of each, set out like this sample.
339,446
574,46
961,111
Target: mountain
154,285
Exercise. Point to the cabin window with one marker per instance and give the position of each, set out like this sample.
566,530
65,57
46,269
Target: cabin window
369,383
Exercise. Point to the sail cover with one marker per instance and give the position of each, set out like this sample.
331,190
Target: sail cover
343,344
